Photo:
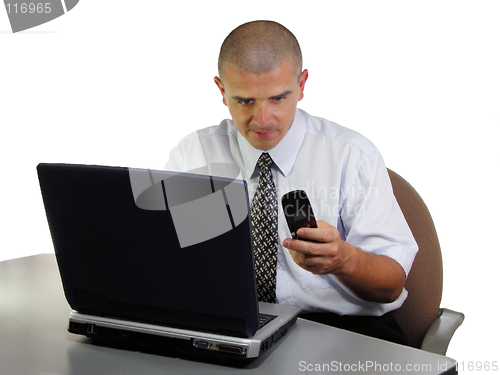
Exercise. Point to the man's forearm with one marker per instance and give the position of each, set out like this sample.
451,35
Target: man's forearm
371,277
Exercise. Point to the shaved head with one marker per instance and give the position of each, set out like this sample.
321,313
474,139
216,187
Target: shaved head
259,47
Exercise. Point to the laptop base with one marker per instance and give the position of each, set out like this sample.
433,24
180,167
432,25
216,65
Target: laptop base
144,336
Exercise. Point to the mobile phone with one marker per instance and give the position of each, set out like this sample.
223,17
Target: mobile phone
298,211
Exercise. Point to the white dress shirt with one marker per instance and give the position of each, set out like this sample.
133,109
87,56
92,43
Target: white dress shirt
347,183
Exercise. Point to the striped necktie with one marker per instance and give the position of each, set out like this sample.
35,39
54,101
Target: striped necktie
264,215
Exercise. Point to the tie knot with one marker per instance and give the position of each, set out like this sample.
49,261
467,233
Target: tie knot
264,161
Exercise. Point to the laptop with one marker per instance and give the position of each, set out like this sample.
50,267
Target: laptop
159,259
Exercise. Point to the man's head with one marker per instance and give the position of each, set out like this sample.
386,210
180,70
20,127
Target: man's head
259,47
261,81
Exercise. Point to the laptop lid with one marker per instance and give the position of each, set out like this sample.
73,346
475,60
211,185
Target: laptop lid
161,247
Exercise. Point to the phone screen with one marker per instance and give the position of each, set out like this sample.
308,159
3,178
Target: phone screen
298,211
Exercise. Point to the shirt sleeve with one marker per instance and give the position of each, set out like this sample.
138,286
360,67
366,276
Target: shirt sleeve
187,156
174,162
371,217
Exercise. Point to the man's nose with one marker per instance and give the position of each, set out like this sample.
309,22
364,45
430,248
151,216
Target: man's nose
262,114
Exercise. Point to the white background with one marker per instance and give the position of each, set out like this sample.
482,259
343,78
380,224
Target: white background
120,82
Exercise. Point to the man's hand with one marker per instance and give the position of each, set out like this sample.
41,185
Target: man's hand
327,254
375,278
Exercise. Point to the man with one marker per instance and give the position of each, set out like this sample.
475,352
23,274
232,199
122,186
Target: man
350,271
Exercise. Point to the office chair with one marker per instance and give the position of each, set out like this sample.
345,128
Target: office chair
427,326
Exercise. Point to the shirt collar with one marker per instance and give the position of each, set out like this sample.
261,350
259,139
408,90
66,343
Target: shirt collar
283,154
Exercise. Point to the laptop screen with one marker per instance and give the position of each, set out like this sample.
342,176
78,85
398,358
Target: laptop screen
154,246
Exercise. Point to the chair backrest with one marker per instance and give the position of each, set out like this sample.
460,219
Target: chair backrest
424,283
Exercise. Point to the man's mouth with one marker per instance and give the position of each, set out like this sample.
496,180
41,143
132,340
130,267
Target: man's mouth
263,135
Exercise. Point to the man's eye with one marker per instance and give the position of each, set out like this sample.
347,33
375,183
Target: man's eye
279,99
245,101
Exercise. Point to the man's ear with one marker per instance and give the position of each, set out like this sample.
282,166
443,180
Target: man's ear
219,84
302,82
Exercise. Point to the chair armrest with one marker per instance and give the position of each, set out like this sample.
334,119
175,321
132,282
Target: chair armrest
439,335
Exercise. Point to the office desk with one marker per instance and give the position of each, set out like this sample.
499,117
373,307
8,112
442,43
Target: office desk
34,340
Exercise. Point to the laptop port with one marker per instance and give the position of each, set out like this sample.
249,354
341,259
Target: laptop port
91,329
264,346
231,349
201,344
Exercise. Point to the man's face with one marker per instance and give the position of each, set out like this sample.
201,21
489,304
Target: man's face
262,105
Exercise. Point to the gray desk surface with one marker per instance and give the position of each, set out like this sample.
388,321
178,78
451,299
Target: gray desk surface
34,340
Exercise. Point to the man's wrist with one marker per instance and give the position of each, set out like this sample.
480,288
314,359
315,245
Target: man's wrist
349,260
